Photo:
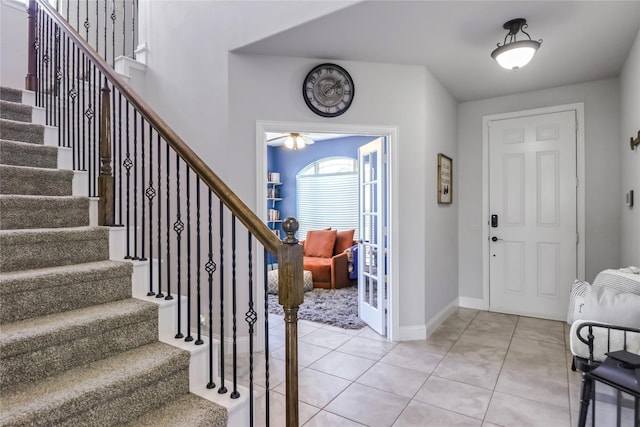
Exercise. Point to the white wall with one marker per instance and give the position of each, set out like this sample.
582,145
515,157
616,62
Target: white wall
630,160
603,192
187,48
13,56
269,88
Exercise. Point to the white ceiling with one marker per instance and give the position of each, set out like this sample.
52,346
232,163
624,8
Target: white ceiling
582,40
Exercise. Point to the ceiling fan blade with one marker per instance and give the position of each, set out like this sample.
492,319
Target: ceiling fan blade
277,138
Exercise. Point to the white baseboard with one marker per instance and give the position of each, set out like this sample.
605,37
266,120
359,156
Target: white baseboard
441,316
412,333
475,303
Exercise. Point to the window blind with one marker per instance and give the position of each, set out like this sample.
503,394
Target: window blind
327,201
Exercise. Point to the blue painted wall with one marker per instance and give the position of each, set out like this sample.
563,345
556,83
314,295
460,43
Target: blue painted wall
290,162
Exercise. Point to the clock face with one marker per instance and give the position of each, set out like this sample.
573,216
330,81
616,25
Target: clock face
328,90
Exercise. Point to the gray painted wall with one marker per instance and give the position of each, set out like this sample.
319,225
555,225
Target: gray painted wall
269,88
630,160
13,56
602,151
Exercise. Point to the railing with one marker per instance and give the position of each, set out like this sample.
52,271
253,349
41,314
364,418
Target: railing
179,216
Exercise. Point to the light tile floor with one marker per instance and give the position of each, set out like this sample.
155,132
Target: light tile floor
477,369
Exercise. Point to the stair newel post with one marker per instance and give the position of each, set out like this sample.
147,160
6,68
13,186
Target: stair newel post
31,80
105,180
290,296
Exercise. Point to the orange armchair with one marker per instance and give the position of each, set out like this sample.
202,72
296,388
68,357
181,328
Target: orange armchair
325,257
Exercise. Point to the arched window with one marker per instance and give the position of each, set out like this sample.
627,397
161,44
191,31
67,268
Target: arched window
327,195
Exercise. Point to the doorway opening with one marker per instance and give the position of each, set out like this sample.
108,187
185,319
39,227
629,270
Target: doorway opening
326,132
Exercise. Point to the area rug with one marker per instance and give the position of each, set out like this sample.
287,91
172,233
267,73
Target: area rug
337,307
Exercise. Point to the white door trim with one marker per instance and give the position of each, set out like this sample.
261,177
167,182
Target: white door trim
580,195
391,133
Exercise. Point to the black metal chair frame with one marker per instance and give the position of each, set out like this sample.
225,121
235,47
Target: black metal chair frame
587,366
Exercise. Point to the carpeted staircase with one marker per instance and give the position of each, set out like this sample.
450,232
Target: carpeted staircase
75,348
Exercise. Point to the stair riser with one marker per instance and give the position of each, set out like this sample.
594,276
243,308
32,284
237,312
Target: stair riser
29,250
27,298
123,408
23,132
10,94
22,154
43,213
101,342
37,182
15,112
113,403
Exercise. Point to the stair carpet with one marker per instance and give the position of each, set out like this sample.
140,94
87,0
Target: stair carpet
75,348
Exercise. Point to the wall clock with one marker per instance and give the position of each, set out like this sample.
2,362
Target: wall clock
328,90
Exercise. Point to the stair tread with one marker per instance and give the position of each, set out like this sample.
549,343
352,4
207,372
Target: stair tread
81,388
37,169
45,331
60,231
187,410
97,266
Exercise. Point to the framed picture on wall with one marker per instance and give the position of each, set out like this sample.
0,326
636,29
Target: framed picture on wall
445,179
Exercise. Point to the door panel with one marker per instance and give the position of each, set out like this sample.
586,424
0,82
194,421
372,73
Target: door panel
371,279
532,189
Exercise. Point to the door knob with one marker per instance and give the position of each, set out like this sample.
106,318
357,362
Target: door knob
495,239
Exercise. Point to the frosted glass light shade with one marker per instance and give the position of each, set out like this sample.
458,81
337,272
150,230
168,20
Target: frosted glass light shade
294,142
515,55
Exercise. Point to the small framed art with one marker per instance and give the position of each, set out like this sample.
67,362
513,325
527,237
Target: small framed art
445,179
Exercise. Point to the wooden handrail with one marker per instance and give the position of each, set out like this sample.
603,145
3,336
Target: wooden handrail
246,216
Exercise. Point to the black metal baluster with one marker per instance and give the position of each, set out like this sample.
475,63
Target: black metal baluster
159,222
124,28
223,388
198,258
45,59
59,55
142,176
234,322
127,166
266,337
78,17
210,268
134,10
83,141
87,25
151,193
250,317
114,16
105,31
73,94
168,173
97,46
135,184
189,337
178,227
37,48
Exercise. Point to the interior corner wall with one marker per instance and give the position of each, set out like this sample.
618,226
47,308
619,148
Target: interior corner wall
13,55
269,88
630,160
602,164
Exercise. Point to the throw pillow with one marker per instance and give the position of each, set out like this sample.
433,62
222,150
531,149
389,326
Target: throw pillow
344,240
609,306
320,243
579,290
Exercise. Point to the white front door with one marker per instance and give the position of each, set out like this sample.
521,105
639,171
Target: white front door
371,246
532,202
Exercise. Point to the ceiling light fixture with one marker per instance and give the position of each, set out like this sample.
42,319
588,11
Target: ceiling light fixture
514,54
295,141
